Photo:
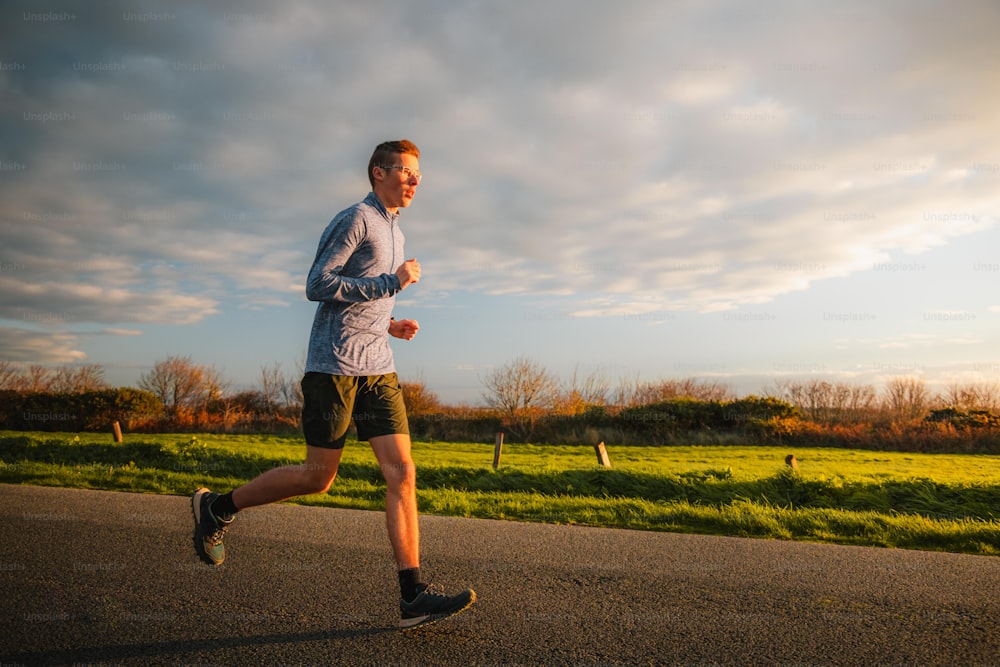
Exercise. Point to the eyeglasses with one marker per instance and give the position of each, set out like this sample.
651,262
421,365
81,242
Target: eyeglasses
407,172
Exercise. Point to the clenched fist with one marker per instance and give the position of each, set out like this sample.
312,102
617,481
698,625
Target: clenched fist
405,329
408,272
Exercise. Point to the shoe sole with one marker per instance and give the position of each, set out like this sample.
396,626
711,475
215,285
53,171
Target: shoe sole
424,621
199,545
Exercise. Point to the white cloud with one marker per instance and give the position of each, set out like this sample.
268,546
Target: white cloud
62,303
26,345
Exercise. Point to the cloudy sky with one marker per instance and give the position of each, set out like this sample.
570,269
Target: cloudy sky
649,189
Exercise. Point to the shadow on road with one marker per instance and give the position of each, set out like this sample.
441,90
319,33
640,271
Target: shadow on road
186,646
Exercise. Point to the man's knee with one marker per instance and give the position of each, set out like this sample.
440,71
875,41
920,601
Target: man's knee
316,478
322,484
316,475
401,475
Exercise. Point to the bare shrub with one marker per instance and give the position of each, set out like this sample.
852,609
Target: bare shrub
973,396
631,393
12,378
183,386
830,402
77,379
906,398
522,391
419,399
581,393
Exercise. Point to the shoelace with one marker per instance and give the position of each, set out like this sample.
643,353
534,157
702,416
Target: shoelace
216,537
431,590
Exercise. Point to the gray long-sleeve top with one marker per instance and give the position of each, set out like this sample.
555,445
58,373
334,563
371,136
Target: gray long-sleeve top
353,279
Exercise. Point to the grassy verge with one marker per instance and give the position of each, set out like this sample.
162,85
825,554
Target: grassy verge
917,501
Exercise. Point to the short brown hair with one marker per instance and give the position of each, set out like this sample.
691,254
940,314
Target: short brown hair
385,150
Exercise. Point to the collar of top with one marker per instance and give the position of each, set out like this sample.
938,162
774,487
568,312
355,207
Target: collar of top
376,203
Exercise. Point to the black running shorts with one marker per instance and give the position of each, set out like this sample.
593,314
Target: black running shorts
330,402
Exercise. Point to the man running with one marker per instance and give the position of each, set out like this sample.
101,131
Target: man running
350,374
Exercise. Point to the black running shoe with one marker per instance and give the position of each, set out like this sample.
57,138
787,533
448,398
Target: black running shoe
430,606
208,529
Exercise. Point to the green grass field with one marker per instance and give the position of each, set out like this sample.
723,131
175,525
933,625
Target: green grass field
916,501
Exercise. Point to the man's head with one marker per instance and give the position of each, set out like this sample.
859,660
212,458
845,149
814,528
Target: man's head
394,172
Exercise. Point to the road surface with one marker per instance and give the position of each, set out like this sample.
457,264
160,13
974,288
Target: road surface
94,577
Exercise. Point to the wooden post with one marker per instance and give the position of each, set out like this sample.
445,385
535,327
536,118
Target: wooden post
117,428
602,454
496,450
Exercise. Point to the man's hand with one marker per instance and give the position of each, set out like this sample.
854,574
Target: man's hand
405,329
408,272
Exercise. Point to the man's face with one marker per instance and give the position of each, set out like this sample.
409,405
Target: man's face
394,185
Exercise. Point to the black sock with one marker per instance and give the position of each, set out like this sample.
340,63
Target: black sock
409,583
223,506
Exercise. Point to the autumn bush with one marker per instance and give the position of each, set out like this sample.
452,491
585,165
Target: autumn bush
82,411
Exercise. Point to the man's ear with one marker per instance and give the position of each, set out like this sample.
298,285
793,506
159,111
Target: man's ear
378,173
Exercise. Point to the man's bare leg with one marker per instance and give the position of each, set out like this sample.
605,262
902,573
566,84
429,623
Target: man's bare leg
314,476
422,605
400,473
213,512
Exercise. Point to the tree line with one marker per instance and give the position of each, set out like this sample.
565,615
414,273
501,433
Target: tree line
175,394
522,398
904,415
524,388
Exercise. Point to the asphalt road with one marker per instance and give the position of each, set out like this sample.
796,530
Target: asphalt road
93,577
